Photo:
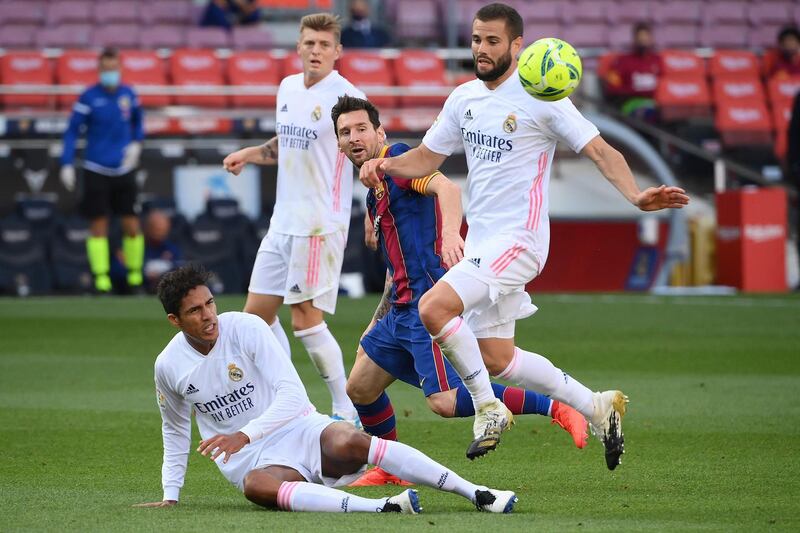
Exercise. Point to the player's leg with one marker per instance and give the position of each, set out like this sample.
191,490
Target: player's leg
268,283
123,201
96,206
366,387
345,450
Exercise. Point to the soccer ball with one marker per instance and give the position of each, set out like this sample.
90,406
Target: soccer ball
550,69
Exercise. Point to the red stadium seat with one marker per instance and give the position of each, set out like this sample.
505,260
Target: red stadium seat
365,70
421,69
737,89
684,96
194,68
23,68
254,68
743,123
682,62
734,63
142,68
75,67
292,64
782,90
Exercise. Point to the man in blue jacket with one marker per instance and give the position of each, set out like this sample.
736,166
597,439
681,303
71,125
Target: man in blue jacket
111,117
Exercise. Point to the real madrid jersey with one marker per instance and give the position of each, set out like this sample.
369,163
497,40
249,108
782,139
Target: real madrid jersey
315,180
509,138
246,383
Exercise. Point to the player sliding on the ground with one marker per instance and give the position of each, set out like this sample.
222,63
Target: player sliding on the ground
416,223
258,425
510,140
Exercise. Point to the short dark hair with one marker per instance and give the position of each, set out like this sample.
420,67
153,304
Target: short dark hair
108,52
348,104
788,31
503,12
641,26
175,285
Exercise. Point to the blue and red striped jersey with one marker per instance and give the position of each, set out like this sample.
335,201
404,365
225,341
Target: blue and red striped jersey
409,228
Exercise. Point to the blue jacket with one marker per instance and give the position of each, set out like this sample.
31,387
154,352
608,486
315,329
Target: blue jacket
112,121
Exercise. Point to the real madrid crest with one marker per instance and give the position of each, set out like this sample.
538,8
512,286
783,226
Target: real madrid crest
162,401
510,124
235,373
316,114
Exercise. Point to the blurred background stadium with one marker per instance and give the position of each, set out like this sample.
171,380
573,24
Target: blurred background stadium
707,107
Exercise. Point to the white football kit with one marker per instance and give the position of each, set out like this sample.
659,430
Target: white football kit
510,139
301,256
245,383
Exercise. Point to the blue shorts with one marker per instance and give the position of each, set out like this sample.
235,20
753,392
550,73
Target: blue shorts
401,346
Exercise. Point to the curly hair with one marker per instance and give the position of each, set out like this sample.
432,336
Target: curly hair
175,285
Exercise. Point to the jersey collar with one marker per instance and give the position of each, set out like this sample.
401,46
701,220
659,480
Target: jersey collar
383,151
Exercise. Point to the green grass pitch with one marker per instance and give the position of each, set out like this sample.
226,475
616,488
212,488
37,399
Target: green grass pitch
712,433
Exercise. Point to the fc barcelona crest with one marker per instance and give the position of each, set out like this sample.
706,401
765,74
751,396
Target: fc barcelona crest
379,191
510,124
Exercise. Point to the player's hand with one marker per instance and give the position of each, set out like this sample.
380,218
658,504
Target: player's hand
235,162
132,153
165,503
68,177
452,248
219,444
655,198
370,239
372,172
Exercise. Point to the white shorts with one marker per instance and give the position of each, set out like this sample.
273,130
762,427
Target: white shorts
300,268
491,280
297,446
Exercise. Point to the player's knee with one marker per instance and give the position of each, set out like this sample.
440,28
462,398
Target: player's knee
352,446
360,392
259,492
443,404
429,312
495,366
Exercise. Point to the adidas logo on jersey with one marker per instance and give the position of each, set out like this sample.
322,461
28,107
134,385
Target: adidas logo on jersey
284,109
191,389
295,289
475,261
468,115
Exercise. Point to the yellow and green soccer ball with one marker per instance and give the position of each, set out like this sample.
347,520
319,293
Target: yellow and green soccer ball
550,69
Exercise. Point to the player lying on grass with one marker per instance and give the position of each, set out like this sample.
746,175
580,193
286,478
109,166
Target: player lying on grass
416,223
258,425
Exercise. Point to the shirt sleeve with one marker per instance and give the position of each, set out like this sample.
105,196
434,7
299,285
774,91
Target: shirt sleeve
80,115
176,431
444,136
418,185
563,122
291,400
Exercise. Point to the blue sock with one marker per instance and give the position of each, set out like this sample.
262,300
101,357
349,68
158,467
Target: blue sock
378,417
519,401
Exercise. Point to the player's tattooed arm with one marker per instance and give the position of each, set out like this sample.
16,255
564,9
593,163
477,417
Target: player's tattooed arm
384,305
269,151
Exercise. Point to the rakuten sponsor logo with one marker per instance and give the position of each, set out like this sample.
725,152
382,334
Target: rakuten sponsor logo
753,232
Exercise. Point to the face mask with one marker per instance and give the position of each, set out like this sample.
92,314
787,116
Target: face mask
109,78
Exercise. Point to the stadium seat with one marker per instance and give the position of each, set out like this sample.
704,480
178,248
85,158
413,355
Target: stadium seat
256,231
143,68
676,35
586,35
205,243
124,36
31,12
417,20
207,38
254,68
715,13
737,89
421,69
70,264
235,226
251,38
682,97
23,68
18,36
770,13
69,11
365,70
75,67
23,259
724,35
65,36
196,68
40,213
162,36
292,64
743,123
682,62
540,12
677,11
629,11
783,90
539,30
737,63
177,12
167,206
118,11
763,36
587,11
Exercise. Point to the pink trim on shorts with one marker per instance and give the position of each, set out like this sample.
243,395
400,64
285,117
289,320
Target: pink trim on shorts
312,275
506,258
535,195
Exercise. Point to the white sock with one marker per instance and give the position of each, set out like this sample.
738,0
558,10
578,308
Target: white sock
460,346
412,465
280,334
327,358
302,496
532,371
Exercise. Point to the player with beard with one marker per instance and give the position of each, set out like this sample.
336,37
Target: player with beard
509,139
